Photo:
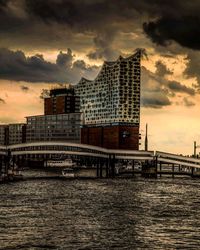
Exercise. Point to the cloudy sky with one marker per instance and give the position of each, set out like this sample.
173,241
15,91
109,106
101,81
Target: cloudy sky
44,43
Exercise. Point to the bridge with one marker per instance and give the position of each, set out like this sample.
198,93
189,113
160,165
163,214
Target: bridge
36,153
50,149
184,161
91,155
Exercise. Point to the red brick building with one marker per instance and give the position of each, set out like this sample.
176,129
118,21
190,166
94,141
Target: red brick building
61,101
115,136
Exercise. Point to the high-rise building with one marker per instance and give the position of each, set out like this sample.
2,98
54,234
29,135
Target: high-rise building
61,120
111,105
61,101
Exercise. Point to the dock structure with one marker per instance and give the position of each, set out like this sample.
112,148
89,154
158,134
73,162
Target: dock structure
104,161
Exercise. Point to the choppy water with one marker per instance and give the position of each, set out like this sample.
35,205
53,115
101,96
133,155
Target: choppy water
100,214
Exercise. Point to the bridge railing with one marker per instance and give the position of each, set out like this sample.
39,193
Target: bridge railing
78,149
66,148
51,147
60,152
178,159
56,143
56,146
133,154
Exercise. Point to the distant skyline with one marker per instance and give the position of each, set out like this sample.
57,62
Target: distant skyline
43,43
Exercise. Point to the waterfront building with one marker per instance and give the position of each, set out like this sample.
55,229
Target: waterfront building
59,127
61,121
111,104
61,101
12,133
3,134
16,133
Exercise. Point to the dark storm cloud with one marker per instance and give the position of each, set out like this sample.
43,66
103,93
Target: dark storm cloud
16,66
153,94
156,101
175,21
193,66
158,91
103,43
58,23
3,3
174,86
65,59
161,69
95,24
81,14
163,20
178,87
183,30
54,23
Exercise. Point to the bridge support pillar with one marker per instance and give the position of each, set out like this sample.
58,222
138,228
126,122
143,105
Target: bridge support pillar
97,167
192,172
101,168
45,160
107,168
112,165
156,166
173,170
133,166
160,169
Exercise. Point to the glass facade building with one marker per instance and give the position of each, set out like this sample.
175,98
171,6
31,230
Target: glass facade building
16,133
60,127
111,104
114,96
3,134
12,133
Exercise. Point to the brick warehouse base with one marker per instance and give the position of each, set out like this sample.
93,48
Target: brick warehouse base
111,137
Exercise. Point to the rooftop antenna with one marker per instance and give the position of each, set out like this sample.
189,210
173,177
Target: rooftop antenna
146,138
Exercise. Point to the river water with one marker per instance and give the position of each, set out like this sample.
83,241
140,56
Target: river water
101,214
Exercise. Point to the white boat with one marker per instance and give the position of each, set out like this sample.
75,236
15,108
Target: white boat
60,163
68,173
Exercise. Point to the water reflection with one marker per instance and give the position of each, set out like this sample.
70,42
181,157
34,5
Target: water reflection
100,214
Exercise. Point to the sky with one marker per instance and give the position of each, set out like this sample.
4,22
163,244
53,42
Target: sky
46,43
